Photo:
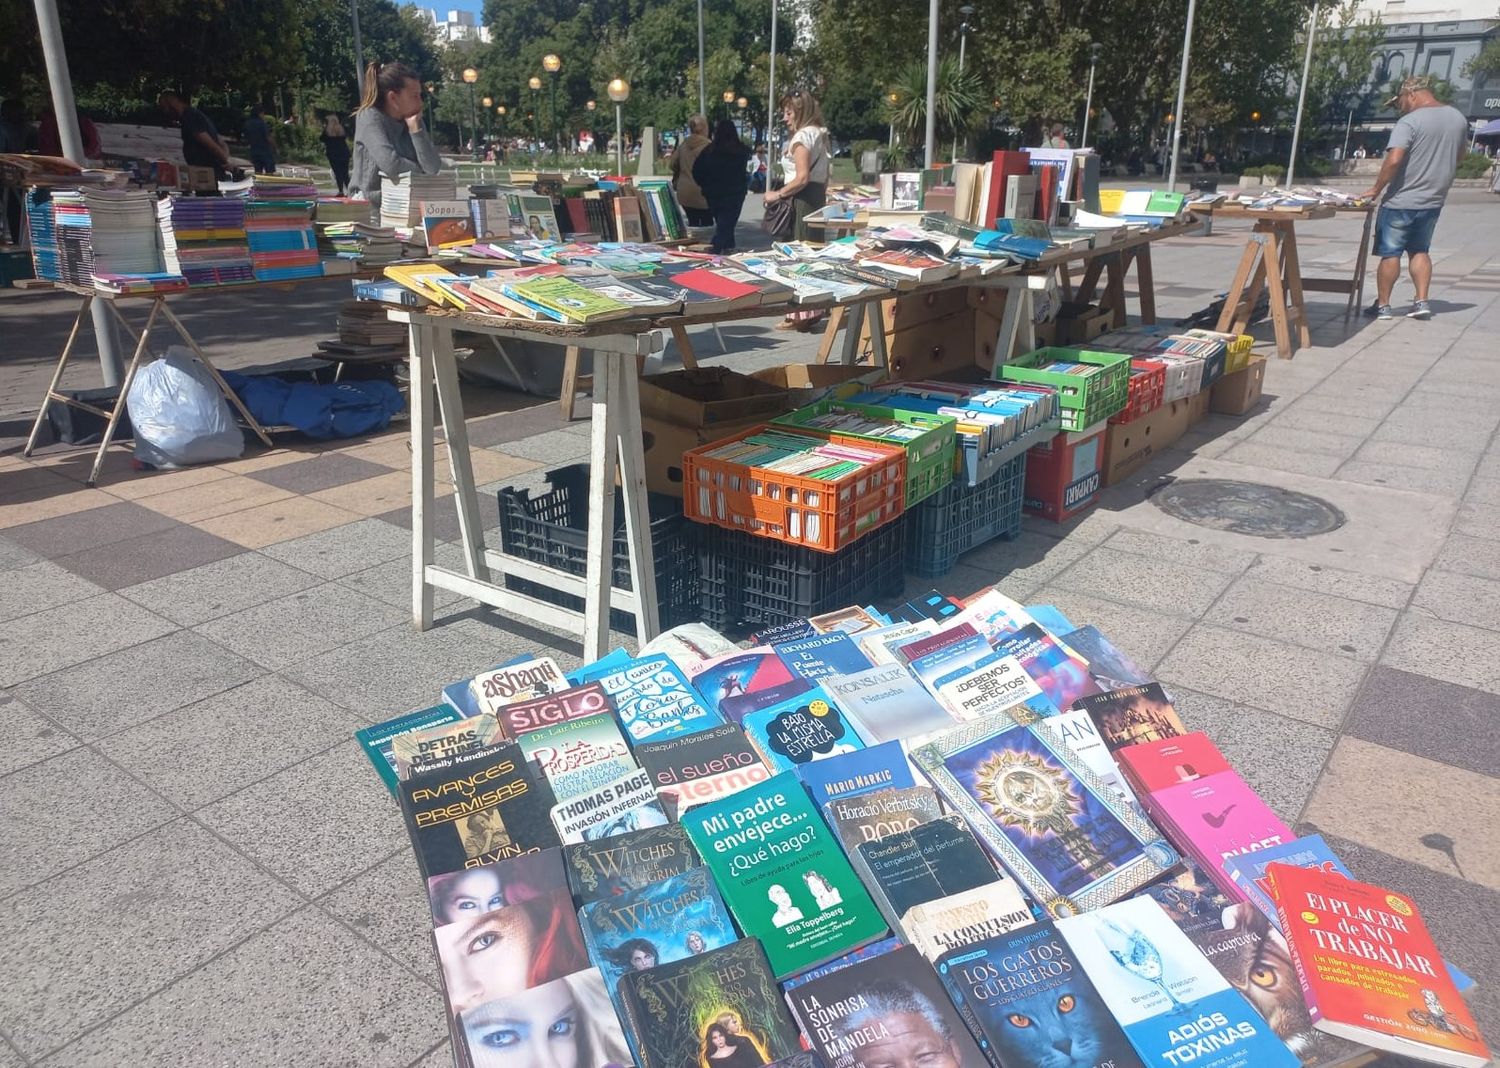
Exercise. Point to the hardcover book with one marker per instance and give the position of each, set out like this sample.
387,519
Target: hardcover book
522,681
377,741
1133,715
1172,1004
575,702
1369,969
652,698
1152,766
805,728
1110,668
889,1010
692,769
578,756
880,767
628,861
872,816
1030,1004
961,919
628,803
928,862
996,683
884,703
738,683
569,1021
462,895
685,1012
509,949
821,655
1216,818
1062,832
783,875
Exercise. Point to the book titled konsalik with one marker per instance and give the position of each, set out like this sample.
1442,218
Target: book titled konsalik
652,698
1175,1008
805,728
783,875
885,703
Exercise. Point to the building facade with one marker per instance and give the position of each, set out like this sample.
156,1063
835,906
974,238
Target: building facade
458,26
1437,38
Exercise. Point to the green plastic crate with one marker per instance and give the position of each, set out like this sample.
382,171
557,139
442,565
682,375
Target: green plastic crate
930,456
1083,401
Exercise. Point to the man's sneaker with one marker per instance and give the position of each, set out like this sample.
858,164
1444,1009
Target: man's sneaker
1382,311
1420,310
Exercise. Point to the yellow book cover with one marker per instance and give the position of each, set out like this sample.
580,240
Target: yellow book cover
1110,201
414,277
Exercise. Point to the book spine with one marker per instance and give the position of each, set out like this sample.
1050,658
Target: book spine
1294,945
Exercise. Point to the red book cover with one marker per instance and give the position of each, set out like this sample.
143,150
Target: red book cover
1005,164
715,285
941,640
1153,766
1046,193
578,215
1369,969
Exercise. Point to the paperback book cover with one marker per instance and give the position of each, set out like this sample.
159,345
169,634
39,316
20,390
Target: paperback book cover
880,767
628,861
961,919
783,875
462,895
928,862
569,1021
738,683
1111,669
872,816
879,645
652,698
1172,1004
377,741
1063,677
1153,766
575,702
851,620
693,769
806,728
821,655
436,747
482,809
995,684
1216,818
865,952
884,703
460,696
447,223
889,1010
517,682
676,918
495,954
578,756
783,632
1133,715
1077,730
628,803
685,1012
1063,833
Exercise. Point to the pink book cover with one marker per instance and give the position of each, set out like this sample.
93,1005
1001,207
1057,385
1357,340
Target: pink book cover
1152,766
1220,817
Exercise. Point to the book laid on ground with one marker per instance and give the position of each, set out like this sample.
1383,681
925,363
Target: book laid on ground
681,1013
888,1010
801,730
1131,715
1062,676
1111,668
463,895
1028,1001
1369,969
1062,832
1174,1007
568,1019
885,703
996,683
925,863
739,682
578,756
437,746
628,861
693,769
574,702
1155,765
377,741
538,677
935,927
783,875
628,803
1077,730
1216,818
878,645
821,655
879,767
652,698
872,816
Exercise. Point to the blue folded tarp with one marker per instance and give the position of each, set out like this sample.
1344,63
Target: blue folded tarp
337,410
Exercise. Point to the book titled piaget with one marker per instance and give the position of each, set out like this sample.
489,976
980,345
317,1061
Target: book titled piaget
784,877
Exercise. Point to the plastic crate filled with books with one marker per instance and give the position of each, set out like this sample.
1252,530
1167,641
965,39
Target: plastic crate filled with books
959,832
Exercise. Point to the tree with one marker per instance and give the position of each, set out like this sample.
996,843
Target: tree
1484,65
956,102
1338,84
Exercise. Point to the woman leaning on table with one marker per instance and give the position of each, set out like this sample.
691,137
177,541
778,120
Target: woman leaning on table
804,174
389,139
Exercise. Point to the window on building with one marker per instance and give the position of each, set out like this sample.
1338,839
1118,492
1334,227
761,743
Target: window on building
1440,63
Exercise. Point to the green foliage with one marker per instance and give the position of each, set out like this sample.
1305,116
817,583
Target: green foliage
1343,57
1474,165
956,101
1486,64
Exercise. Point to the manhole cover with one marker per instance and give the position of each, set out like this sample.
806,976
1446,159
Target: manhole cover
1246,508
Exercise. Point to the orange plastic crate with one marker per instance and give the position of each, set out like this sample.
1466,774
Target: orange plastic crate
826,515
1148,385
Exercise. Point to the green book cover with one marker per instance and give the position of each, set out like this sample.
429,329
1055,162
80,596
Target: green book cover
571,300
783,875
1163,202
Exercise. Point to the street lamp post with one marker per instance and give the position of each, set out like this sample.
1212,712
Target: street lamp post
967,11
1088,101
552,64
702,84
471,76
590,107
772,107
728,98
489,129
930,148
535,85
619,92
1187,51
1312,34
500,148
431,107
890,134
1254,131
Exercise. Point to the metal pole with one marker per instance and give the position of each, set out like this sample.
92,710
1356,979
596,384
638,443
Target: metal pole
963,40
1088,105
702,92
556,127
619,142
359,51
1347,127
1187,51
1312,35
474,122
63,106
932,72
772,113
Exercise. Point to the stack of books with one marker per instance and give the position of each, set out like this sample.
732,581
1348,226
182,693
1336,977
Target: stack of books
401,200
41,225
370,246
330,210
282,187
282,242
123,234
203,239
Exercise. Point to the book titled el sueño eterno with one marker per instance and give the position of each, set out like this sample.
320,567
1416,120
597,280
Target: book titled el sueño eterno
784,878
1174,1007
694,769
1369,969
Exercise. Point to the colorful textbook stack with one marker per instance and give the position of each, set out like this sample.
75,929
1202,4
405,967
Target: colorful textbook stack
282,242
204,240
869,839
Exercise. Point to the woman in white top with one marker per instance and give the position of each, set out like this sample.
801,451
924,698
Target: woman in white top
804,176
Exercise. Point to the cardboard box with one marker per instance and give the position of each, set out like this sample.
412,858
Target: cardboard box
986,334
804,376
1238,392
933,348
1064,475
900,313
711,396
1129,446
1078,324
1198,406
664,443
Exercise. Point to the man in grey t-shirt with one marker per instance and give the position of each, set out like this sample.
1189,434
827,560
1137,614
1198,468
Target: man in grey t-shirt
1420,161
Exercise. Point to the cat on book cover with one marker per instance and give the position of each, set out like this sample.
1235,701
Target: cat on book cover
1065,1026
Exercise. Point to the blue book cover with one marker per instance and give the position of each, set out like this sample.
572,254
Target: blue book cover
673,919
376,741
1030,1005
885,704
739,682
874,949
807,728
1174,1006
652,698
1110,668
1051,619
822,655
950,661
1062,676
460,696
611,661
880,767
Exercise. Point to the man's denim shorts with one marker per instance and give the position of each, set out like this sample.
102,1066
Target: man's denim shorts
1408,230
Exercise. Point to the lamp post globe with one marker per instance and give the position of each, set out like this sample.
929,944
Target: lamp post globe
471,76
619,92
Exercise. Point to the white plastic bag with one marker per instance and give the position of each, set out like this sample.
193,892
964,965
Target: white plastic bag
179,415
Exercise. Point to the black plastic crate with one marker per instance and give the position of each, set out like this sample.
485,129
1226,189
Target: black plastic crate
552,529
957,518
749,583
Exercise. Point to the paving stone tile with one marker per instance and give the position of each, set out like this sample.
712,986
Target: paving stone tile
291,629
343,550
1150,581
29,736
38,505
91,942
1466,599
233,493
315,825
133,485
1353,585
1030,557
13,555
1315,620
59,637
1287,679
230,740
1470,556
39,586
1478,520
440,1057
1194,552
1280,758
216,589
68,534
1332,404
375,495
320,472
151,556
1311,417
98,697
1278,458
348,1005
488,465
553,447
1391,800
391,450
386,905
267,524
1450,481
25,479
1440,721
1143,635
57,814
1443,650
390,582
1316,442
260,459
1435,431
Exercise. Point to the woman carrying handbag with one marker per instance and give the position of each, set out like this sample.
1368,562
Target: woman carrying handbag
804,183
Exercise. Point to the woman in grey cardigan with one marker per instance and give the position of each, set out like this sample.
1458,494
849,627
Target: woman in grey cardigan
389,139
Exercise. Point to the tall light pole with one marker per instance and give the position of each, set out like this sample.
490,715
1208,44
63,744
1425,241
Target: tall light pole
702,90
728,99
500,148
552,64
967,11
932,73
1312,35
488,103
359,51
1088,101
431,106
535,85
590,107
773,115
471,76
890,135
619,92
1187,51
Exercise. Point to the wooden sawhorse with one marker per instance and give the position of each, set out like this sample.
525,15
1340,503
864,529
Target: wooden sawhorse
1269,260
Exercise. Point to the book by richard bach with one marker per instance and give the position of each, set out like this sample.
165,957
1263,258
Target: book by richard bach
889,1010
1030,1004
696,768
684,1012
1062,832
783,875
808,727
1369,969
1175,1008
822,655
885,703
652,698
625,862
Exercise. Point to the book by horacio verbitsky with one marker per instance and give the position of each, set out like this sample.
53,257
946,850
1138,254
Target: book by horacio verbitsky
783,875
625,862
